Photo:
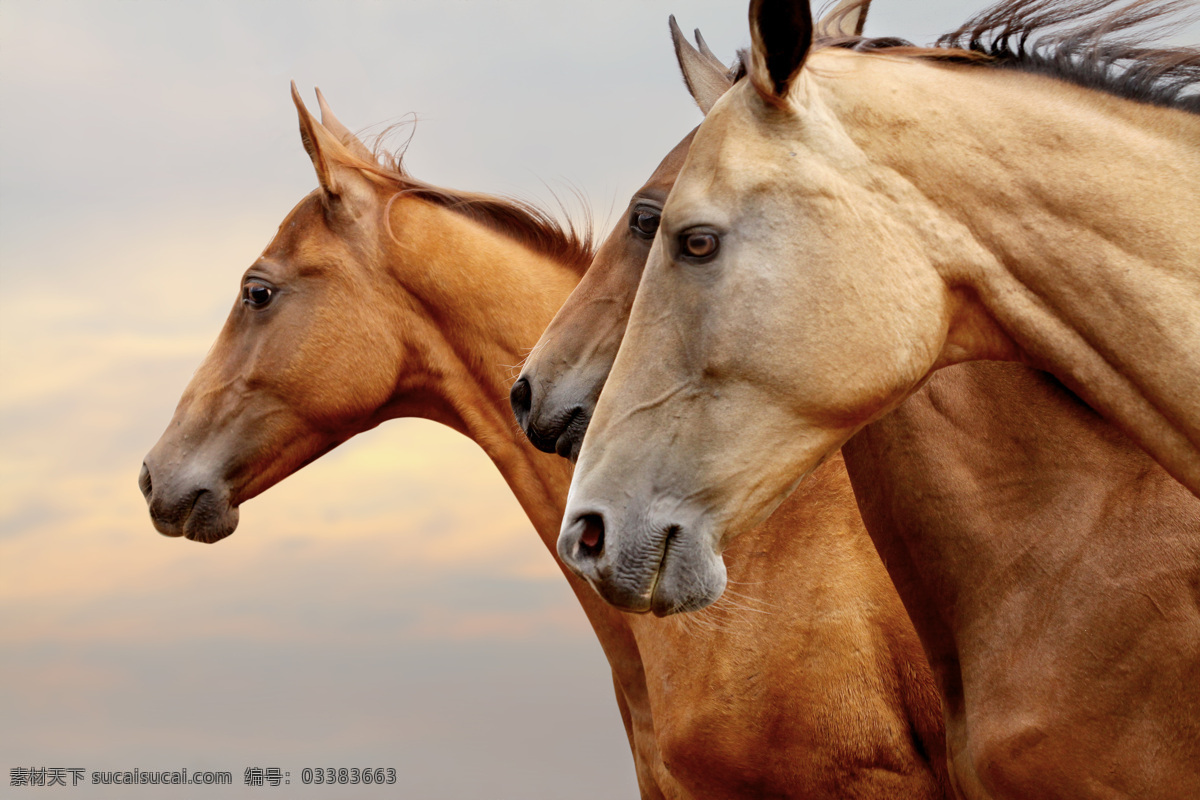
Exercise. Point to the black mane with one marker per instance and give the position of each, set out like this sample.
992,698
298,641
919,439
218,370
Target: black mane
1097,44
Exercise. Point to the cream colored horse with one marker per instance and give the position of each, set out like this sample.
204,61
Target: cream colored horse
848,222
1051,568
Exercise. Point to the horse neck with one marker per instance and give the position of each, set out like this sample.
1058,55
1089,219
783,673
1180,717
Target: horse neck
483,301
1078,210
993,477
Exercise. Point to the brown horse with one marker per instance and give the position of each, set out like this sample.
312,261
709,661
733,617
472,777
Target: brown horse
382,296
1050,566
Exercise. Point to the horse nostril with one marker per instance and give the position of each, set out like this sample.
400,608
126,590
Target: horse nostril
581,546
144,481
520,397
591,540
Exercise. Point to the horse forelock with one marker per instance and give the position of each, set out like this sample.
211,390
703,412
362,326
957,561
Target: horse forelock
1102,45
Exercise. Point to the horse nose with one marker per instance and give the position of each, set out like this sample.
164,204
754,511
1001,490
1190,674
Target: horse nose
144,482
521,399
581,545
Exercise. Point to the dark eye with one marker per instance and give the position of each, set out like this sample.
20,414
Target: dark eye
256,294
700,245
644,221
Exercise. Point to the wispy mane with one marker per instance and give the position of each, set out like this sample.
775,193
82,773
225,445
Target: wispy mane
1098,44
567,242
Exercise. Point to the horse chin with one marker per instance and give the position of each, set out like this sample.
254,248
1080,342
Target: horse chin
205,516
561,433
213,526
571,439
688,583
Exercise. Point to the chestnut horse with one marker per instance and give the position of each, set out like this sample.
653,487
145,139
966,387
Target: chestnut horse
1052,569
382,297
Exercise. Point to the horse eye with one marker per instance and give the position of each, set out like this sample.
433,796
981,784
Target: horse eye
699,244
257,295
644,222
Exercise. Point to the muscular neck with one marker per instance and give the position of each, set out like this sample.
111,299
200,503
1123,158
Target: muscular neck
484,301
1062,221
487,303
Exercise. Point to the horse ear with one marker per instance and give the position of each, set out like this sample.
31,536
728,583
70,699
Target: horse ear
348,139
345,188
781,32
317,143
704,48
704,74
844,20
727,71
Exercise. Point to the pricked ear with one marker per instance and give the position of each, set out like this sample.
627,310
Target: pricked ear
348,139
704,74
844,20
724,69
704,48
781,32
347,191
316,143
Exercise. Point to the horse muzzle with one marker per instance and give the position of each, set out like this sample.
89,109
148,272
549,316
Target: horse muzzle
662,566
550,425
197,509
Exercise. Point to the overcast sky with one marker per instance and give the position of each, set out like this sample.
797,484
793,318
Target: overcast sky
388,605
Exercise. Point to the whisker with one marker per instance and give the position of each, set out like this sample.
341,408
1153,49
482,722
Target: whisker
749,598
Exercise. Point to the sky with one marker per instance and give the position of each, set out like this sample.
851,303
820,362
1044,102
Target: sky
389,605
